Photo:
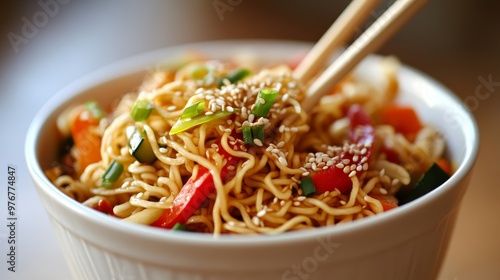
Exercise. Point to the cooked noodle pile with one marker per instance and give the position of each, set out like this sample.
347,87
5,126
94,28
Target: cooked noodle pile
261,193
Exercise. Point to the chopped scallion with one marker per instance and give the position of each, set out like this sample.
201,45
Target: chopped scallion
93,107
235,76
264,102
182,125
258,132
141,110
199,72
247,134
179,226
307,186
111,174
193,110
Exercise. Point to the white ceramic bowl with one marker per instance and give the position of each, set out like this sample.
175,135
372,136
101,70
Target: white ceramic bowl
408,243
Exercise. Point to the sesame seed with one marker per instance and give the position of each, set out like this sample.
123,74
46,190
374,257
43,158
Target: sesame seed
359,168
347,170
269,148
257,142
365,166
307,165
162,150
231,223
353,173
283,161
364,159
171,108
230,109
261,213
282,202
355,158
382,172
363,151
251,117
221,127
256,220
326,193
395,181
294,129
383,191
313,166
262,101
339,165
305,174
330,163
346,161
230,167
353,167
285,97
228,130
209,113
342,202
301,198
275,200
296,203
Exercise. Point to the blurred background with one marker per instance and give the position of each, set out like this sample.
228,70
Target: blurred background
47,44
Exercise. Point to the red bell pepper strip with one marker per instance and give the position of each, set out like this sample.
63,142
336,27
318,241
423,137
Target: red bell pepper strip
104,206
404,119
194,192
361,134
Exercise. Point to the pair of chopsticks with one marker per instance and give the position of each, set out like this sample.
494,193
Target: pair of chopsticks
343,29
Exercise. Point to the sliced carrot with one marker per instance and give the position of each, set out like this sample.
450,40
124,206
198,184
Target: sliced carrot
388,201
86,141
445,165
404,119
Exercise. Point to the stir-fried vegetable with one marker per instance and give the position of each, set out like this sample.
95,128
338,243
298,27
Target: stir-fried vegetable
182,125
193,110
432,178
86,141
235,76
111,174
141,110
264,102
139,146
361,133
194,192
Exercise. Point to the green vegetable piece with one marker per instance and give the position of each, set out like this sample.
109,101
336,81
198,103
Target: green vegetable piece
258,132
93,107
193,110
179,226
199,72
432,178
264,102
182,125
141,110
247,134
111,174
235,76
140,147
307,186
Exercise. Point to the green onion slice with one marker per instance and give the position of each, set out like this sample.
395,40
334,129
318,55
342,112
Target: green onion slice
179,226
199,72
235,76
93,107
111,174
247,134
307,186
182,125
141,110
258,132
264,102
193,110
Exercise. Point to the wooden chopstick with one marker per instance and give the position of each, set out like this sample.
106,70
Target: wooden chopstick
380,31
342,30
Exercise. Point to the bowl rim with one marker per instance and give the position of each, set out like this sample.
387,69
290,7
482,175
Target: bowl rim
136,64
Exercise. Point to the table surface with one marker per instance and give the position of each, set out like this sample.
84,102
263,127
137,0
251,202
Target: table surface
80,38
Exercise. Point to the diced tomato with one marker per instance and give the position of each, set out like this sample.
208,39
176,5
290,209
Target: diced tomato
388,201
404,119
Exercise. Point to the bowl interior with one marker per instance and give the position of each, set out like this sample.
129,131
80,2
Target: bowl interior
434,103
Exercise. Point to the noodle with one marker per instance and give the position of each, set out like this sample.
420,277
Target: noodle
255,187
